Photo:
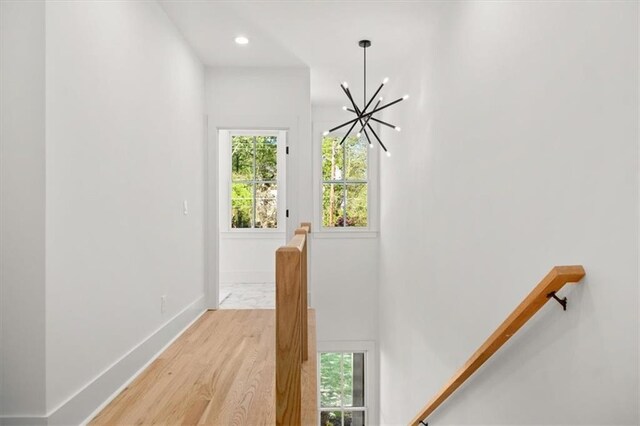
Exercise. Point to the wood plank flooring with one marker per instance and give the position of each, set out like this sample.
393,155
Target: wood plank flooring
221,371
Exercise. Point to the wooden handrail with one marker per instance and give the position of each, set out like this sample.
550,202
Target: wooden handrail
553,282
291,326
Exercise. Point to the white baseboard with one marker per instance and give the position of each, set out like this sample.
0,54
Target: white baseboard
84,405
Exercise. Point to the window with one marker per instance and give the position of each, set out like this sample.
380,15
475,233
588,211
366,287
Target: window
254,186
252,180
345,183
342,389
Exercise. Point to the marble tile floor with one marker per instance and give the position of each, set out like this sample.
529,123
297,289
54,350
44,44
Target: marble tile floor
247,296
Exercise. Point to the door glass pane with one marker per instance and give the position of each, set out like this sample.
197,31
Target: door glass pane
332,159
356,204
242,158
356,156
331,418
332,204
266,205
266,157
330,380
354,418
241,205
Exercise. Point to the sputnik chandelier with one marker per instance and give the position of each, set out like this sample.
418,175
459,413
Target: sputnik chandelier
364,115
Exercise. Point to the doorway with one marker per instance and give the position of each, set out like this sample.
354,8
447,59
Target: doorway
252,215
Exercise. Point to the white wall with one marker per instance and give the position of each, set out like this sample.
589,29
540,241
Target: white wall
519,151
344,269
258,98
22,209
125,142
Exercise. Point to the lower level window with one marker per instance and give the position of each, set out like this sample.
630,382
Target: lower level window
342,389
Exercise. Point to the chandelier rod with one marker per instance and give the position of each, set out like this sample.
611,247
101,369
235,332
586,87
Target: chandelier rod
365,75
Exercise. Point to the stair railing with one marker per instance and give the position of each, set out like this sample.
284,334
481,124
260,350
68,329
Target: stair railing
291,326
541,294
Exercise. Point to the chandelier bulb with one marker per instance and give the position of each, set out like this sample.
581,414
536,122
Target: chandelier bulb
344,108
381,99
388,154
386,80
358,134
370,145
398,128
344,84
325,133
405,97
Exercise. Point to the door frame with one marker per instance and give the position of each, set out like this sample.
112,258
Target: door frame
211,192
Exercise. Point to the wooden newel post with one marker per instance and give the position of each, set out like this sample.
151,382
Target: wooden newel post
288,336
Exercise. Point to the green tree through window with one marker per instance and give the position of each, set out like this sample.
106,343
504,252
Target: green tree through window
254,186
342,389
344,182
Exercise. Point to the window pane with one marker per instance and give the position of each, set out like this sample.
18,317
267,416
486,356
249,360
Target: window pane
332,204
330,380
241,205
353,368
357,204
242,158
354,418
266,205
347,371
358,380
357,151
332,158
331,418
266,157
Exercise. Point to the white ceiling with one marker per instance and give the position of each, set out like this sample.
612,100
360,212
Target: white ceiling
321,35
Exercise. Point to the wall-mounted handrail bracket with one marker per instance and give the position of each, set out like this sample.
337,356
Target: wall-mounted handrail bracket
562,301
546,289
422,422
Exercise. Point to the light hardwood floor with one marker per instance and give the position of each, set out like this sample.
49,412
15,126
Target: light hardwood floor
221,371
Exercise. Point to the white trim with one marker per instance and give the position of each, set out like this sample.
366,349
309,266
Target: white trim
266,234
373,189
339,234
370,371
81,407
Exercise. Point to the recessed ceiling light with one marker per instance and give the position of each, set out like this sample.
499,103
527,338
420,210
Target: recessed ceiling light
242,40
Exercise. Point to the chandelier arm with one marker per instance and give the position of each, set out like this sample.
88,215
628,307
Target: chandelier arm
367,136
384,106
357,111
382,122
350,129
351,110
373,97
376,135
368,118
343,124
355,106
